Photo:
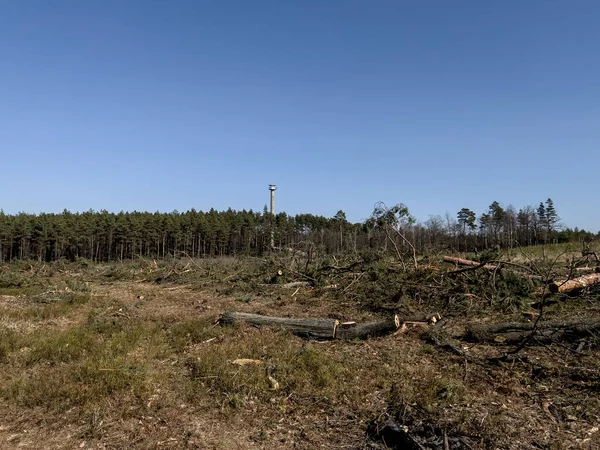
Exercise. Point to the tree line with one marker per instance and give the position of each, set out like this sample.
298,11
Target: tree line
106,236
506,227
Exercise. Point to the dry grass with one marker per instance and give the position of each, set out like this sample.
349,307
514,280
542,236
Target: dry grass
129,356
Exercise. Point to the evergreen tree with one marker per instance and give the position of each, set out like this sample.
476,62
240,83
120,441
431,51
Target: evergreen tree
466,218
552,218
542,222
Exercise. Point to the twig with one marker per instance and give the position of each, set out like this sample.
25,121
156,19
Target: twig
358,277
466,269
300,274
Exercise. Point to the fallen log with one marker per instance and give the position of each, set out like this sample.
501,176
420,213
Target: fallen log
327,329
472,265
306,328
467,262
574,284
515,332
352,330
460,261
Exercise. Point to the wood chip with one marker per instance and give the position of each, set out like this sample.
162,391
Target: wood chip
246,362
273,382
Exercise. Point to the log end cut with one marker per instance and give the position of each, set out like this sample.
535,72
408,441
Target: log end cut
574,284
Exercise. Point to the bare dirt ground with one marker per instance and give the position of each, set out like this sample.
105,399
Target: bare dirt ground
108,357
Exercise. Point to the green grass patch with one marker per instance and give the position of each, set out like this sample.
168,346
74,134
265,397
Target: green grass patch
9,341
82,365
86,382
41,308
299,368
183,334
13,291
62,346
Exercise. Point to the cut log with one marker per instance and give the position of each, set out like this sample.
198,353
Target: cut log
495,265
467,262
574,284
327,329
352,330
306,328
514,333
460,261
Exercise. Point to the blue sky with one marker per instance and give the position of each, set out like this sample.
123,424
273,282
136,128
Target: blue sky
160,105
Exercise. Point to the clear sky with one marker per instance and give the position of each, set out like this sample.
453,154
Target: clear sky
176,104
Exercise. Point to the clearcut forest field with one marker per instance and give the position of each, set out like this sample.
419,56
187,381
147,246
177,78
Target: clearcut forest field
132,354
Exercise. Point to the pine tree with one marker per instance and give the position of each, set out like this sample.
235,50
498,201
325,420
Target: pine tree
551,215
466,218
542,228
